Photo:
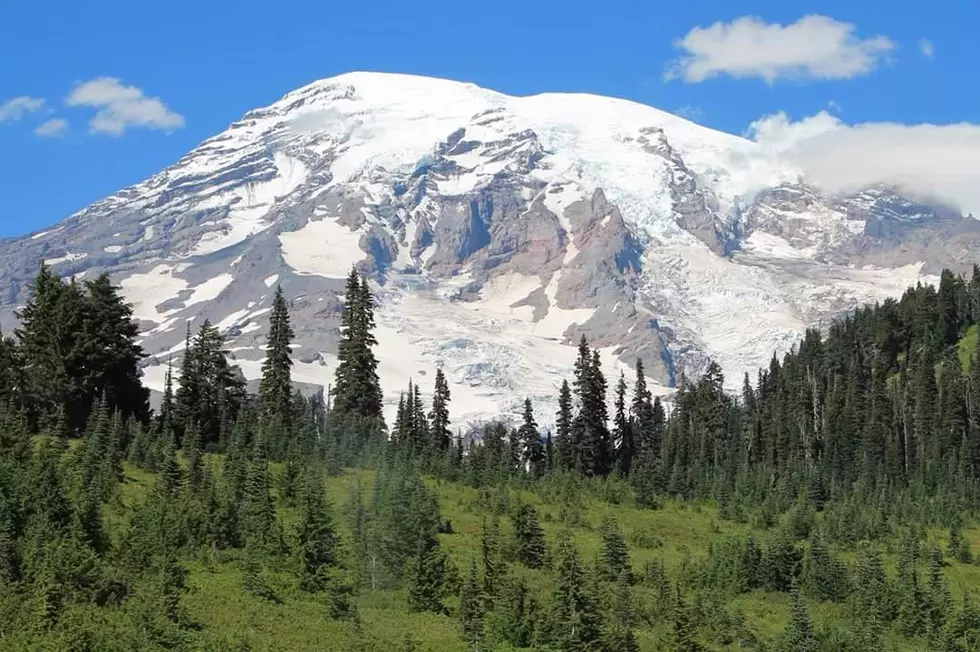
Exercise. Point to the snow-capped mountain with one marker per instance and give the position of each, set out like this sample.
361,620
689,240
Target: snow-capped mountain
498,230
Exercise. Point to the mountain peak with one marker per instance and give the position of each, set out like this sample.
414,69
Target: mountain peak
498,230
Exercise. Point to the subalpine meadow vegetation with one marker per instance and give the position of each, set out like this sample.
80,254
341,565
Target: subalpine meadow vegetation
832,506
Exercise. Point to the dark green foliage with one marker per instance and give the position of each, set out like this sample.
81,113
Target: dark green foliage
799,635
439,433
824,576
357,390
529,544
515,615
77,343
575,620
619,634
614,555
532,452
316,538
430,581
276,388
471,608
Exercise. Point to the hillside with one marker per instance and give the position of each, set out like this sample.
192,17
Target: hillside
830,507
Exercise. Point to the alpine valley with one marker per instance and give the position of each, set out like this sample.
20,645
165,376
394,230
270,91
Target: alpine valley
497,231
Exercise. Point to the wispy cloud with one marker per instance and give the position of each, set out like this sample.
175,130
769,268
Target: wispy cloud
51,128
16,108
925,160
814,47
927,48
121,107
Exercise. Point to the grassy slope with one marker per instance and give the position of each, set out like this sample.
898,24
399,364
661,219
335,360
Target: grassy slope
227,614
968,345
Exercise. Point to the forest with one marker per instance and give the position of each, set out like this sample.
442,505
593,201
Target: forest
831,505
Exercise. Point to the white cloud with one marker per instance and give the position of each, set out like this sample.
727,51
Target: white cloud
814,47
925,160
927,48
52,127
14,109
120,107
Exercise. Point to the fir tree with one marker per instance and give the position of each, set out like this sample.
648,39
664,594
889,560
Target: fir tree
430,581
529,544
357,389
439,416
471,609
623,430
619,634
799,635
316,538
576,618
532,450
515,613
684,639
490,552
563,427
276,389
614,555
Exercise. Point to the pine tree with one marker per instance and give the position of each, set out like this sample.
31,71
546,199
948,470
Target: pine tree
195,458
623,430
532,450
490,552
52,352
471,609
684,629
515,614
529,543
357,389
112,356
258,516
439,417
799,635
172,582
275,388
316,538
576,622
614,555
186,398
590,439
429,583
619,634
563,427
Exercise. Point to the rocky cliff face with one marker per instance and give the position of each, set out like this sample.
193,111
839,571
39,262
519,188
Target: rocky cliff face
498,230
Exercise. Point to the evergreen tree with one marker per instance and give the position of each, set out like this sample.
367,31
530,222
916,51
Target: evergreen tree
316,538
258,515
276,388
684,629
357,389
490,553
619,634
576,621
532,450
430,580
439,417
529,544
623,430
563,427
514,618
471,609
799,635
614,554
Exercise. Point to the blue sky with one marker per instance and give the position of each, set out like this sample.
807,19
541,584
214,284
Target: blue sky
182,71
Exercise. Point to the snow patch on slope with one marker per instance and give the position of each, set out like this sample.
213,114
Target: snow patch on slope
322,248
